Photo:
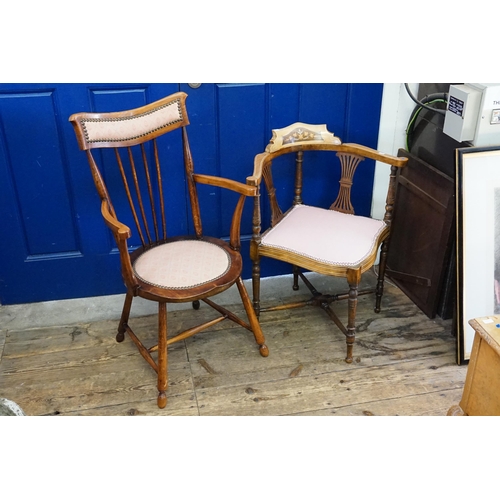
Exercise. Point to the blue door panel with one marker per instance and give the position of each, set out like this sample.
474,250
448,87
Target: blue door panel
325,103
242,126
363,108
284,106
242,132
54,244
113,97
363,114
38,179
203,132
322,103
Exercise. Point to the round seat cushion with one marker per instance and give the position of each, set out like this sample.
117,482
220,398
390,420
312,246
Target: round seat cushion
182,264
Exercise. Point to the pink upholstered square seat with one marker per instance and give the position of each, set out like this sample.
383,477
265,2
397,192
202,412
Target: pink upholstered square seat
182,264
326,235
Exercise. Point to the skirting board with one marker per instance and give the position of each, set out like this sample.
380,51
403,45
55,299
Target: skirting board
87,310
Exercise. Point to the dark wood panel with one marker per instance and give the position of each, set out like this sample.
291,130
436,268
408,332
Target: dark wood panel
422,232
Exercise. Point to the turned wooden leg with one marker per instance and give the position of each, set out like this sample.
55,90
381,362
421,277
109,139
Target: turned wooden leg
353,278
381,276
162,355
252,318
196,304
256,286
124,317
295,278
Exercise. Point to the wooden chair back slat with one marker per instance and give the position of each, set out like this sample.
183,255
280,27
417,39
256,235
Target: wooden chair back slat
160,191
145,194
138,195
129,196
150,190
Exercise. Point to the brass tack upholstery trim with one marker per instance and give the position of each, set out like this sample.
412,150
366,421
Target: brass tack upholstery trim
326,236
182,265
144,124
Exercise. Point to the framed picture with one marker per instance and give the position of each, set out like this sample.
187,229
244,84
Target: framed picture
478,240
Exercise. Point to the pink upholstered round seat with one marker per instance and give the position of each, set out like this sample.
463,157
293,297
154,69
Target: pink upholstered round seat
182,264
326,235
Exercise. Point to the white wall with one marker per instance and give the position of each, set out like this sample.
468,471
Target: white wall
396,109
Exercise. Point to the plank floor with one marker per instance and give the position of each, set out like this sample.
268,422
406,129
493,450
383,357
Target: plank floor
404,364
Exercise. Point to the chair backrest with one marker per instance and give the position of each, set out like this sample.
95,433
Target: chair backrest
299,138
133,135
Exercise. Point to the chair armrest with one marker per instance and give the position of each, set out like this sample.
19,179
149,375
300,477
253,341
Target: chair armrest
236,186
397,161
121,231
258,169
243,190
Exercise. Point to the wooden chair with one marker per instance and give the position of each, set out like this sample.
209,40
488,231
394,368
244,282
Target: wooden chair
163,269
331,241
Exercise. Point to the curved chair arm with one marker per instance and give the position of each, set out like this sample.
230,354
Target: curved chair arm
122,233
373,154
243,189
258,169
236,186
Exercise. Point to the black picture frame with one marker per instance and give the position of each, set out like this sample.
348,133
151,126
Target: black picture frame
478,240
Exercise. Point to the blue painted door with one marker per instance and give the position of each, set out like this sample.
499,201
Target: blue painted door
53,244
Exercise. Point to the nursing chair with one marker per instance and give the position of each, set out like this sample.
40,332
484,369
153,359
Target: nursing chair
161,268
330,240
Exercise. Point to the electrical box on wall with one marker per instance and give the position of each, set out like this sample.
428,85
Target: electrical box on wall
473,113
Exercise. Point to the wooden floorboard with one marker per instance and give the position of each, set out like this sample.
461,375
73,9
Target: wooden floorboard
404,364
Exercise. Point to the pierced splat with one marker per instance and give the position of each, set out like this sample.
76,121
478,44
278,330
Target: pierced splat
276,213
348,163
